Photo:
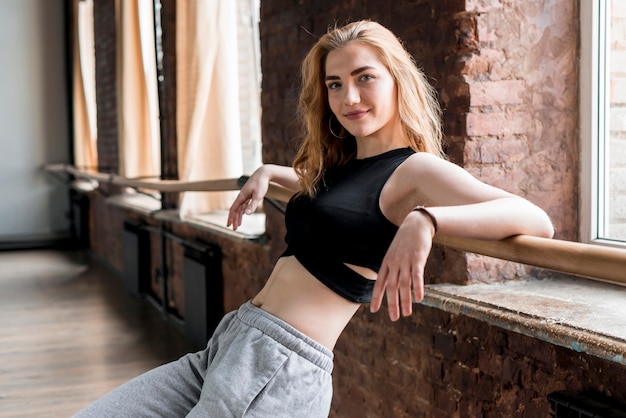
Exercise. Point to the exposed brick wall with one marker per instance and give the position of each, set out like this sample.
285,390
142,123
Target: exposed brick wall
105,232
522,125
106,85
450,366
166,82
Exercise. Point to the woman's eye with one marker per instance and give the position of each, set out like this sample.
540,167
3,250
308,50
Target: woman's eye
332,86
366,77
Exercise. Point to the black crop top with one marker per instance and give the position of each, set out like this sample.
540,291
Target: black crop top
343,223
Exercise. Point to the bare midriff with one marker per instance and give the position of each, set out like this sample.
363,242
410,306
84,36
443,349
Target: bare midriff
298,298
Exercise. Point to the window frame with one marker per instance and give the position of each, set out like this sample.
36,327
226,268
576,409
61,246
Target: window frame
594,122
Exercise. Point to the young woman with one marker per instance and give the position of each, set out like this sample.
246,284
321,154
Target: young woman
372,190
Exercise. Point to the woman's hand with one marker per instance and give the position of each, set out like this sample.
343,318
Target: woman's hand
255,189
401,275
249,197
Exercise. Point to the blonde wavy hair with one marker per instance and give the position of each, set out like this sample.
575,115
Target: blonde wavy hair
420,113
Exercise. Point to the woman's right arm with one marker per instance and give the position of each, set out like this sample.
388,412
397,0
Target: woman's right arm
255,189
282,175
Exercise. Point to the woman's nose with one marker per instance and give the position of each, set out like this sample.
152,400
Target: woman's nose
352,95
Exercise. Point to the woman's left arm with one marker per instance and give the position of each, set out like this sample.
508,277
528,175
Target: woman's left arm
461,205
494,219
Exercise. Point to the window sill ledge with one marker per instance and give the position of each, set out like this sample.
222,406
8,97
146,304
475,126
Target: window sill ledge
252,228
84,186
139,203
583,315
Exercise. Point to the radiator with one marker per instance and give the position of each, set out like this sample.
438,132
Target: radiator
567,404
80,219
204,297
136,246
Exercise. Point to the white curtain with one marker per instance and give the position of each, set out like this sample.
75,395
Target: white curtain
84,82
208,118
139,145
249,82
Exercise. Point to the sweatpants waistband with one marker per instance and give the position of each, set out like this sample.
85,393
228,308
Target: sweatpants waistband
286,335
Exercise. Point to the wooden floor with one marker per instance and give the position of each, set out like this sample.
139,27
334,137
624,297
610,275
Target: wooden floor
69,332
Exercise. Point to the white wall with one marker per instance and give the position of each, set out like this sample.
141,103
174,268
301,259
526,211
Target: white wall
33,119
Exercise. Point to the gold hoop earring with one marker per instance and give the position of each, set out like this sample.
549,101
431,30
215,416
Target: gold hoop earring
330,127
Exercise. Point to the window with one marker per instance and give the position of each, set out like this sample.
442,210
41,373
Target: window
84,85
218,78
218,97
603,121
138,113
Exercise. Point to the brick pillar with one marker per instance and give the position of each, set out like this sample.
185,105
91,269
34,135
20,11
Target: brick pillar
106,85
166,74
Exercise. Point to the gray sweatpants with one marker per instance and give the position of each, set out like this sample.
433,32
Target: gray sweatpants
255,365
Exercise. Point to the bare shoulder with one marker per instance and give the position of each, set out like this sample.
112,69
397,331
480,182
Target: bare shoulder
427,163
423,168
406,188
427,179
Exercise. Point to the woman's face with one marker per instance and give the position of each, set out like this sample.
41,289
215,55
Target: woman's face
361,92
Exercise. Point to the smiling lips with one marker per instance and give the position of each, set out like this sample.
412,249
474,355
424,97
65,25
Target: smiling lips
357,114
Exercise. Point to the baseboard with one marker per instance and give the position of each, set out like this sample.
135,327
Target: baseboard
36,242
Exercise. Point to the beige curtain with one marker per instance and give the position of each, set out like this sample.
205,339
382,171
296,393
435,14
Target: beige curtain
208,121
249,49
139,145
84,88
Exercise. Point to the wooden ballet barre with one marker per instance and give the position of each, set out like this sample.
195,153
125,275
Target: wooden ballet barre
575,258
158,185
166,186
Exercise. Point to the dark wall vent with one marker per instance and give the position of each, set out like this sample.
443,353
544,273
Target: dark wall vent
567,404
80,219
204,291
136,246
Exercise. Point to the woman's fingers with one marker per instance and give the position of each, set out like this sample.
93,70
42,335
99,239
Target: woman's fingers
392,302
405,293
379,290
418,287
251,206
401,282
237,209
397,292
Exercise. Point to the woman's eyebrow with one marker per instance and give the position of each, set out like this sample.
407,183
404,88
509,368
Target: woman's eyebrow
354,72
361,69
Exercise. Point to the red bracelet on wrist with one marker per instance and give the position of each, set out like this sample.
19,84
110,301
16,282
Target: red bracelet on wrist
423,209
